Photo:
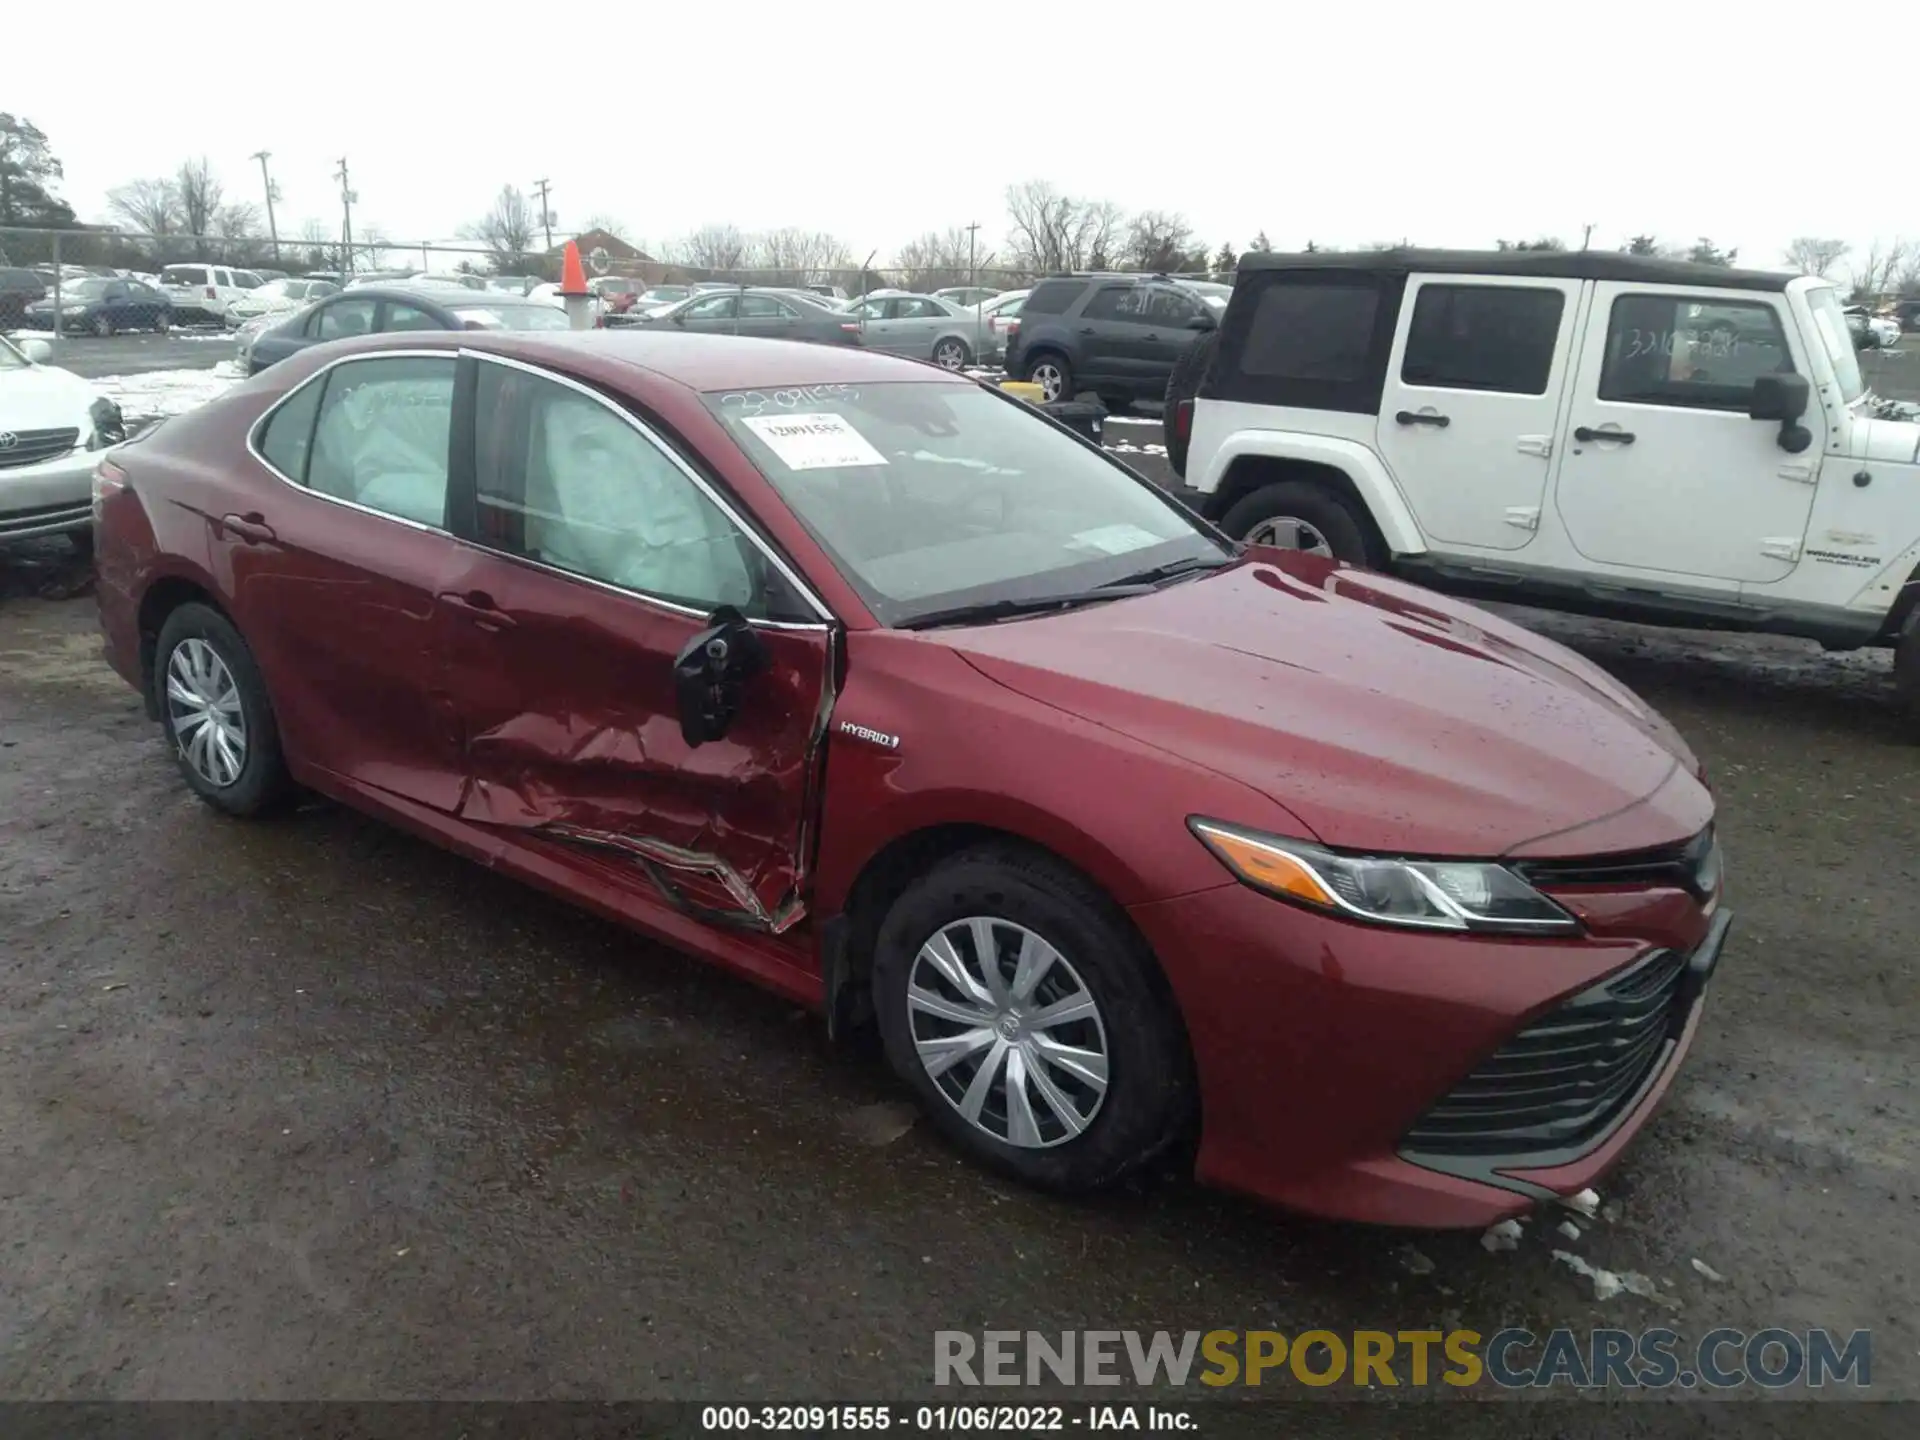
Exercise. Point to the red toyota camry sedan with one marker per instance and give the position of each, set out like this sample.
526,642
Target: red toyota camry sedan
891,694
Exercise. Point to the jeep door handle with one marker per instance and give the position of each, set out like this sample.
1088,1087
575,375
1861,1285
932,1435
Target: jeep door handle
1409,417
1586,434
1086,330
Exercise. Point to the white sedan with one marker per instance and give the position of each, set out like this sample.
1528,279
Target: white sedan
1884,329
52,426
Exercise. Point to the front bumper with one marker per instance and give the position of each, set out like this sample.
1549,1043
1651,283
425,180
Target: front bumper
50,497
1325,1049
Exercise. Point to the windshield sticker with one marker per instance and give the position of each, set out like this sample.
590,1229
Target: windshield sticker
1116,539
814,442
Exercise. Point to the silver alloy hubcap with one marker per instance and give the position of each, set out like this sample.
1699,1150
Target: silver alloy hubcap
1287,533
1008,1031
1047,377
948,355
209,723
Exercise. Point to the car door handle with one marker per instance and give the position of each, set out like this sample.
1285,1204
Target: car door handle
252,528
478,607
1621,437
1415,417
1086,330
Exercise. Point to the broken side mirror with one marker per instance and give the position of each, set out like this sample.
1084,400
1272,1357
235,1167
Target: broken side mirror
710,671
1783,397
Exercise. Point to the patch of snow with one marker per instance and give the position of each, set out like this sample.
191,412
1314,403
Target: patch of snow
1121,447
1414,1261
1609,1283
160,393
19,335
1504,1236
1568,1229
1708,1271
1587,1203
1131,420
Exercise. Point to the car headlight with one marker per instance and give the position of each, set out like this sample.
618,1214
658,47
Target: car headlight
109,427
1422,894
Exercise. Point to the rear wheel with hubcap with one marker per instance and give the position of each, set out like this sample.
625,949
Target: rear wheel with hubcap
951,354
214,708
1053,375
1025,1014
1302,515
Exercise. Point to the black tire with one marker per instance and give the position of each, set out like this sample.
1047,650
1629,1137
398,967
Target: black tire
1346,533
1184,384
162,323
1906,665
949,344
1054,358
82,543
1116,404
103,327
263,784
1149,1097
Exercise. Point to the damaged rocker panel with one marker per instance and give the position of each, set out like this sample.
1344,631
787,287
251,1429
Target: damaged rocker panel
656,856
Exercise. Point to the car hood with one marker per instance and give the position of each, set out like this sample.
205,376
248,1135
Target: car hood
1383,717
44,397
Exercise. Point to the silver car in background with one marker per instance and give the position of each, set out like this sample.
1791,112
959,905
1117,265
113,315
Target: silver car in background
921,327
277,297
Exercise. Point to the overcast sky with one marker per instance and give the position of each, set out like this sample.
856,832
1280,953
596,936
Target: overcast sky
1342,124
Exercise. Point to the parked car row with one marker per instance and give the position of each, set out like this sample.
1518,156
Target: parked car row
388,309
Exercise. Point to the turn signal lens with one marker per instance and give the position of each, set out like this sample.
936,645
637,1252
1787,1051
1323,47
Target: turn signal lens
1265,866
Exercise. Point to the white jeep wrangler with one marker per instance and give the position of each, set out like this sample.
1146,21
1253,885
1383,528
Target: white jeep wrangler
1596,432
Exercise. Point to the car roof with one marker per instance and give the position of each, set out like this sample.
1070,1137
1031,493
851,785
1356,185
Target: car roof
1537,264
697,361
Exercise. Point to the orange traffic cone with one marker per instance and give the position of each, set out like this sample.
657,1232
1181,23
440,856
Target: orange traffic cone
573,277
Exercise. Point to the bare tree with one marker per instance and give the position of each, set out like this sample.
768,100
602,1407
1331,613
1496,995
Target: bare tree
1811,255
1259,245
238,226
200,196
1049,231
1880,270
712,247
601,220
314,241
506,230
149,206
1907,282
1644,245
1158,240
370,246
792,256
937,258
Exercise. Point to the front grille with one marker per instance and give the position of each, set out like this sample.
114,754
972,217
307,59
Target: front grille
46,519
30,447
1561,1084
1687,865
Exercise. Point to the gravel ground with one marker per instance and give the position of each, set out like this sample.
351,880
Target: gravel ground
309,1109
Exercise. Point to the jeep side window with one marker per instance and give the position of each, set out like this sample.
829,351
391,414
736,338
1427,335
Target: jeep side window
1052,297
1703,354
1483,337
1311,332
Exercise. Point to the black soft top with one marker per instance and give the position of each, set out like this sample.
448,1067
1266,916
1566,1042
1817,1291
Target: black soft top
1538,264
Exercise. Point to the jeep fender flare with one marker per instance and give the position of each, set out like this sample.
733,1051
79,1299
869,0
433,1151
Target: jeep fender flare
1375,487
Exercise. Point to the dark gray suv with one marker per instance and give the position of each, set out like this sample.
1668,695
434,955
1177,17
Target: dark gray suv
1117,335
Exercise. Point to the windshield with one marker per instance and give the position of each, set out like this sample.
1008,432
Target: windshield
513,317
931,496
1831,321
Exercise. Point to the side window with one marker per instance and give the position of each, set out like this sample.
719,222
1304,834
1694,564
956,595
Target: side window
1683,350
1311,332
565,479
223,278
1114,302
762,307
341,319
920,310
869,309
1483,337
719,307
1052,297
1168,306
409,317
287,435
381,436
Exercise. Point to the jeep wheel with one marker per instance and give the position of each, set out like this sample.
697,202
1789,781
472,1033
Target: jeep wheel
1300,515
1906,665
1184,384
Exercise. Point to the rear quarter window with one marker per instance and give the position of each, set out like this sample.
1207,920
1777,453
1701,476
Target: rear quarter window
184,275
286,436
1308,339
1052,297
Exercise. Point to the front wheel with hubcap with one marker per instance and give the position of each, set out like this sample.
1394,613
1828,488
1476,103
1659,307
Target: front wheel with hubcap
1054,377
1025,1014
1302,515
214,708
950,354
103,327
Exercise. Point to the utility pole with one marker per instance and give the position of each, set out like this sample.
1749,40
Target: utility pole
347,197
546,215
1587,236
973,271
273,230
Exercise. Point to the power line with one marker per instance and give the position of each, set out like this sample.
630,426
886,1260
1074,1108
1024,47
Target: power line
546,214
347,197
273,230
